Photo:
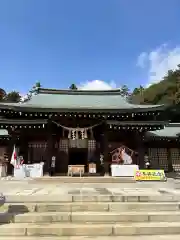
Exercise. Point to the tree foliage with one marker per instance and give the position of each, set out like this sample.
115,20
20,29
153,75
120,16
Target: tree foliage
12,97
2,94
166,91
124,91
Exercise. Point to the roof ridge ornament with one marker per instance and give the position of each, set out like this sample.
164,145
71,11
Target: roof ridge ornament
79,91
33,91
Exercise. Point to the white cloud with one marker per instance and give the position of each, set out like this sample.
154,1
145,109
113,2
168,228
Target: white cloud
97,85
142,58
158,62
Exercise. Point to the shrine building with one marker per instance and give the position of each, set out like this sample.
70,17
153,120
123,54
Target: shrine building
77,127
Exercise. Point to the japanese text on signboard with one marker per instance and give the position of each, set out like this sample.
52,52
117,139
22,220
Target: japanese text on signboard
150,175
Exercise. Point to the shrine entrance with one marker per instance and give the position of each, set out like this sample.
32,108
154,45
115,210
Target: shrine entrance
78,156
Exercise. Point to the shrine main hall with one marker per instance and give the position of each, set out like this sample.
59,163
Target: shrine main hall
82,127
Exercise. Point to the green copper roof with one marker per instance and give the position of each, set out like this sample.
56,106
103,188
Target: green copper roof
170,131
50,99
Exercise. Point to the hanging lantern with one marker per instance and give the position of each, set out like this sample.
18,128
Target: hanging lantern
73,135
82,134
101,159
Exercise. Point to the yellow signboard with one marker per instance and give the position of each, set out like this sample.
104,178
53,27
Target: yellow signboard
150,175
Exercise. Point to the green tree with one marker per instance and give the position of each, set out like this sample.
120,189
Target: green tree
167,91
12,97
2,94
138,90
137,95
73,87
124,91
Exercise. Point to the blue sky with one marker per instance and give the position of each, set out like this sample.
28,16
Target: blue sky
60,42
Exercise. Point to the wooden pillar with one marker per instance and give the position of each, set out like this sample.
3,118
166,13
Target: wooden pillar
106,160
23,146
170,165
141,149
104,149
50,147
12,141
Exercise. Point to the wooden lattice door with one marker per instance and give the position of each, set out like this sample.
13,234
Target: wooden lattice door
159,158
37,152
175,157
62,156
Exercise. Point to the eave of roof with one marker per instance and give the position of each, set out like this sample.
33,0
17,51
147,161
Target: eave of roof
79,110
172,130
138,123
22,121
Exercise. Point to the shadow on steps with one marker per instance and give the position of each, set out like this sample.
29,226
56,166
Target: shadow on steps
13,210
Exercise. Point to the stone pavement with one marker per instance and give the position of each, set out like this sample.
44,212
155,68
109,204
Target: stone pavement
34,188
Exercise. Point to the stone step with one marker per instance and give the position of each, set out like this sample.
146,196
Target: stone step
134,197
140,237
93,179
64,229
92,206
91,217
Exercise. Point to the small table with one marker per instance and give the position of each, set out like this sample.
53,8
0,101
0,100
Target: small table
76,170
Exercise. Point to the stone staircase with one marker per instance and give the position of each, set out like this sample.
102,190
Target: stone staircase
91,217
